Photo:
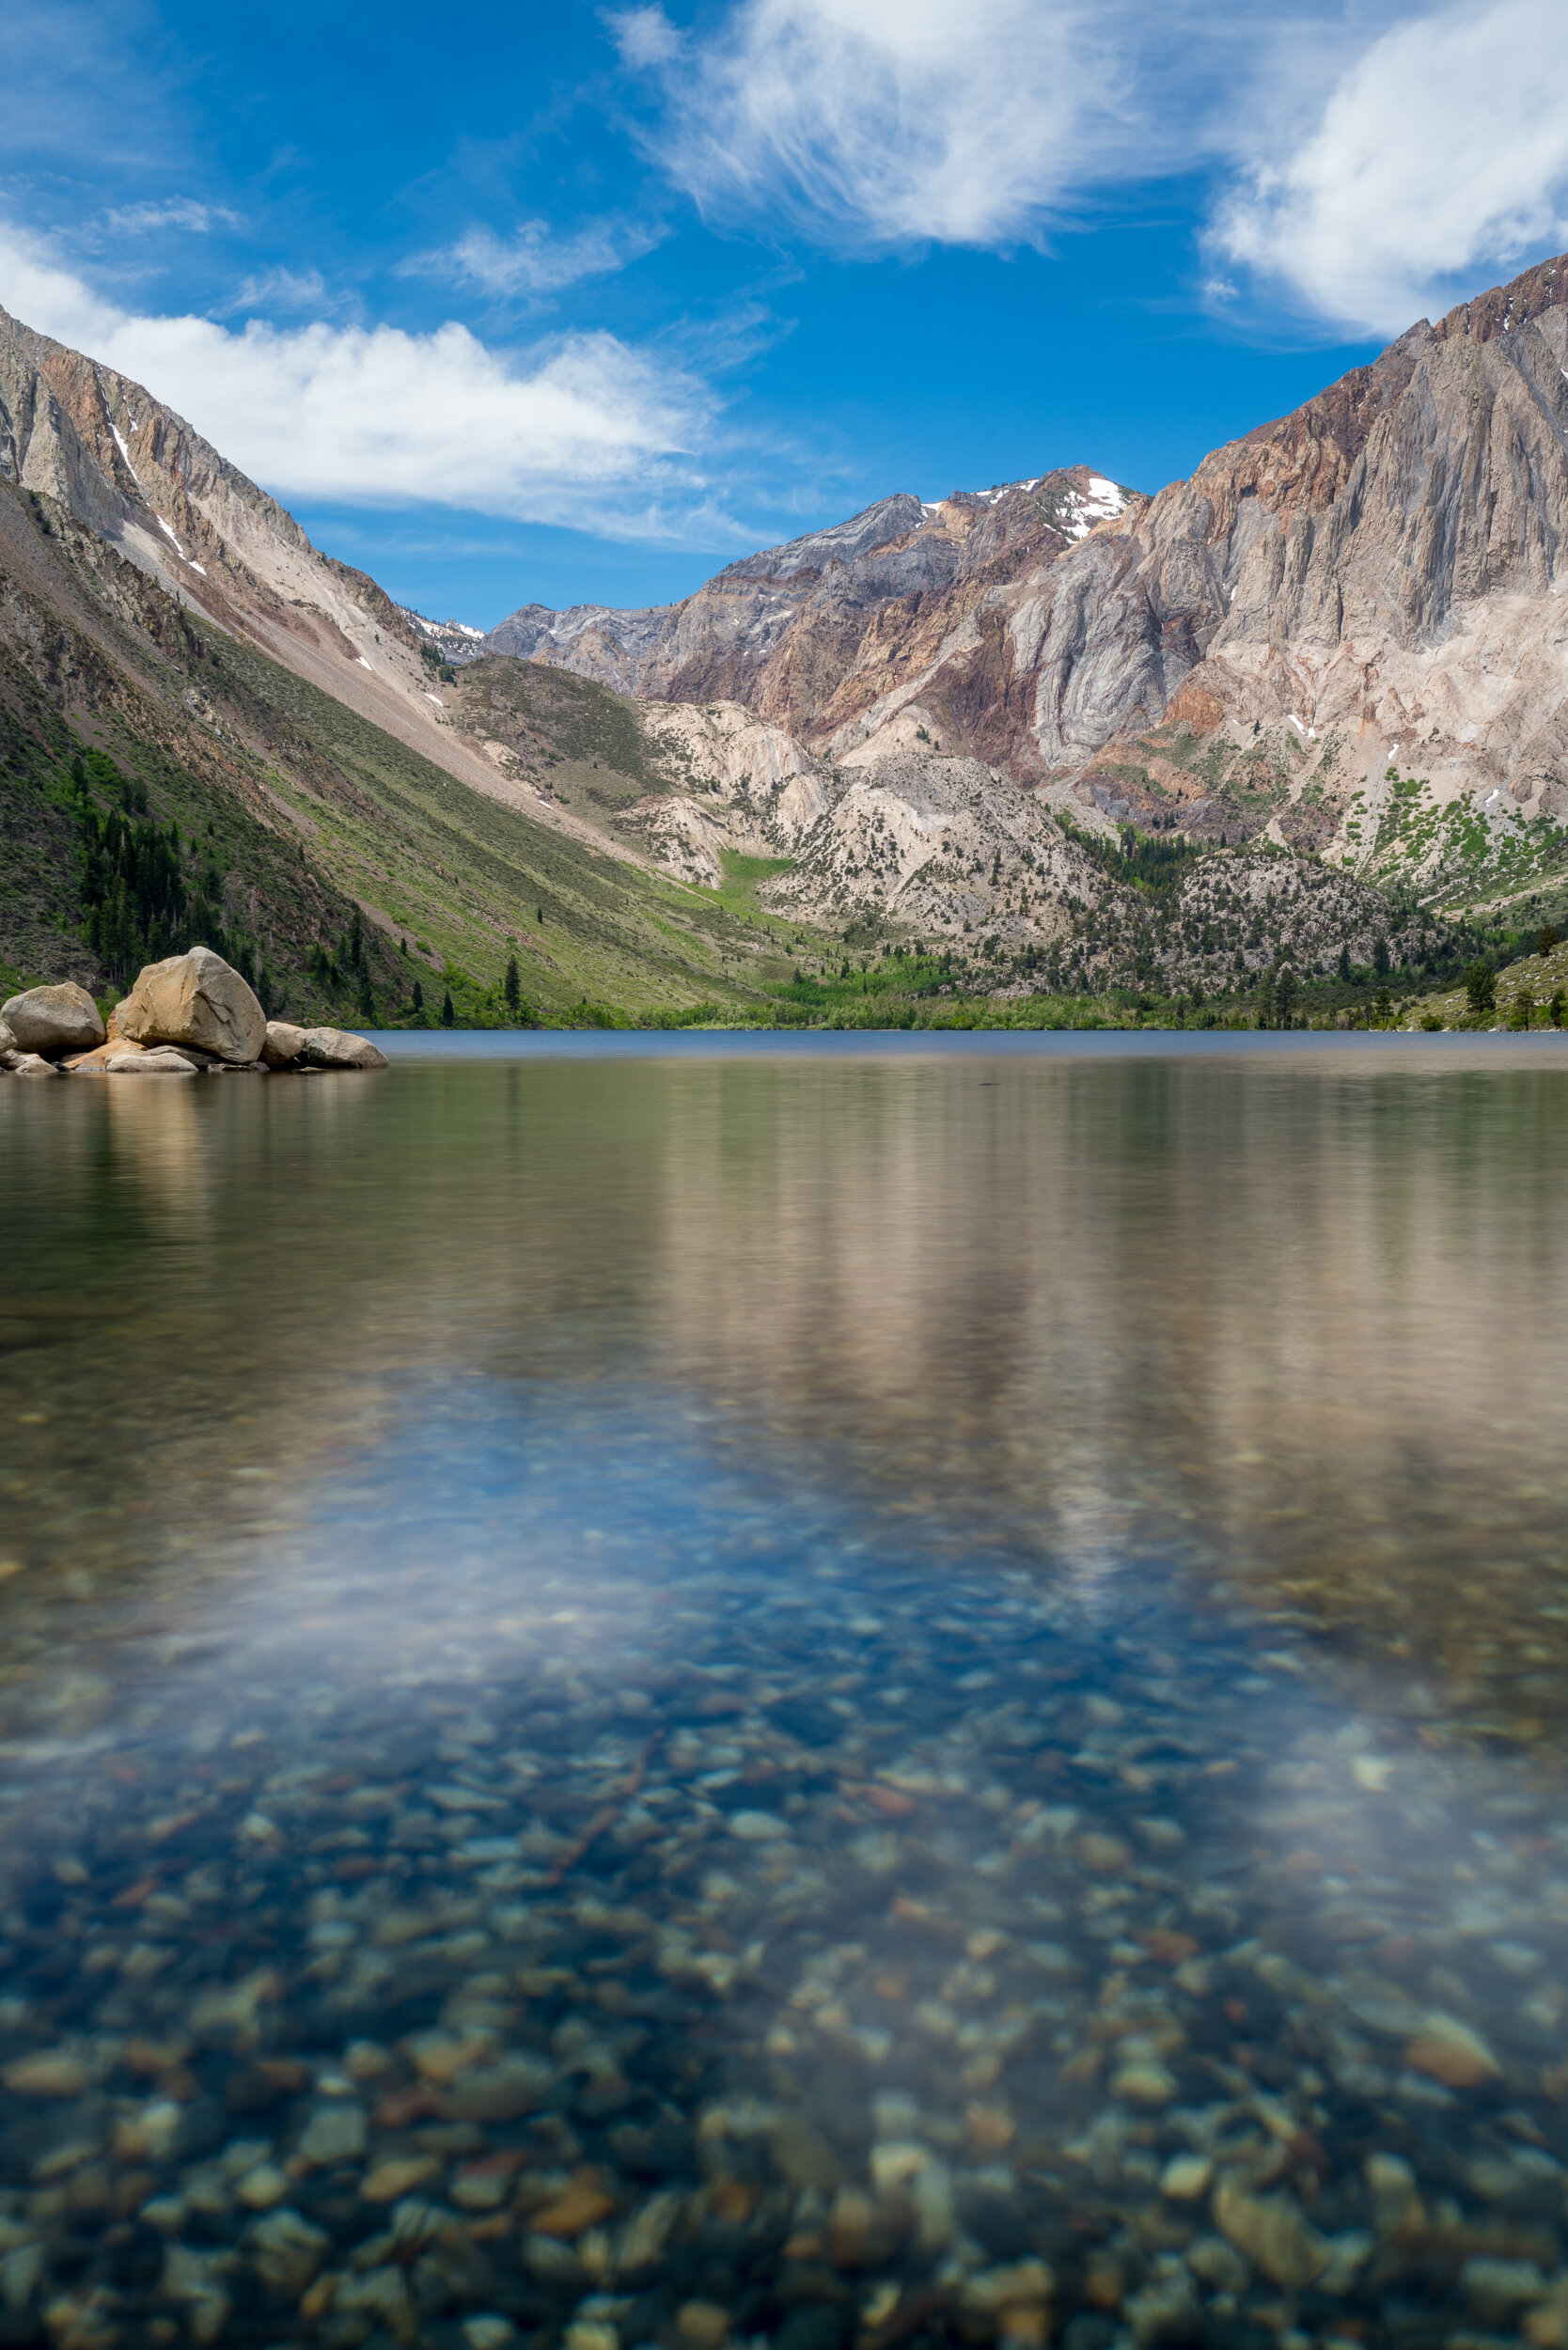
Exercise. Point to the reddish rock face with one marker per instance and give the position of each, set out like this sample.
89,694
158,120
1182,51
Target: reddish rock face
816,634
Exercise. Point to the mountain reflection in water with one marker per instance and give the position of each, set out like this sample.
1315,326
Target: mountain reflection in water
844,1700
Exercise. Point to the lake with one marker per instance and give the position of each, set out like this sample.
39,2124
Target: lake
675,1691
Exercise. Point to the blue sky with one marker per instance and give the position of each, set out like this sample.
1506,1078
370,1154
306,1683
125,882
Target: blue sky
575,304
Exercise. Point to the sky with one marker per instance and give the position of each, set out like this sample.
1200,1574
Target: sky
574,304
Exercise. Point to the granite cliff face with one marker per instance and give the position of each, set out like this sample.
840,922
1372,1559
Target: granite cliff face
1385,563
817,635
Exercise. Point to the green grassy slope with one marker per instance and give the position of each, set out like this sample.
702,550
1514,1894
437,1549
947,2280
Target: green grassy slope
1488,864
1524,990
292,811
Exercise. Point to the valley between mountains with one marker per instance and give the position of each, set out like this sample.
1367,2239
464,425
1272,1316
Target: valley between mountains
1287,741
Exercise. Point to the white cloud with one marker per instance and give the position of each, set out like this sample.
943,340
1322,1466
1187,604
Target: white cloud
582,430
881,122
1432,163
533,261
1438,165
281,290
174,211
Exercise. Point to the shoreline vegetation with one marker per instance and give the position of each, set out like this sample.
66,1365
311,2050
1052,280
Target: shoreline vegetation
898,989
148,886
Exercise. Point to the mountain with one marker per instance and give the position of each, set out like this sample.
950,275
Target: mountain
1342,635
175,653
1306,707
814,635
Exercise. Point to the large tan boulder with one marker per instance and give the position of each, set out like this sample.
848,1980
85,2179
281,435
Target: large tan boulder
335,1048
194,999
51,1020
8,1042
285,1045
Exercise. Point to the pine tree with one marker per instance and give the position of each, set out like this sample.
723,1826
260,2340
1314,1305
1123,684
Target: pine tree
513,992
1266,1000
418,999
1481,986
448,1014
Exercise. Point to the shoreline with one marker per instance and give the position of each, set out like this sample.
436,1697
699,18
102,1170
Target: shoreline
455,1044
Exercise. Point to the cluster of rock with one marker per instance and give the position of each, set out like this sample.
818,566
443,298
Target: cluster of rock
190,1015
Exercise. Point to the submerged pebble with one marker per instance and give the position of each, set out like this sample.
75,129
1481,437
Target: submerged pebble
595,1957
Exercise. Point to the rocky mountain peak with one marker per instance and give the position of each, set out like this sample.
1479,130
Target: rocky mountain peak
816,634
1529,296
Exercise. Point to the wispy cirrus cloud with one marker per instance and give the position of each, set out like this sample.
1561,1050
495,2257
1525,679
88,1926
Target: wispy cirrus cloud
268,290
583,429
1363,161
874,123
1438,163
533,263
174,211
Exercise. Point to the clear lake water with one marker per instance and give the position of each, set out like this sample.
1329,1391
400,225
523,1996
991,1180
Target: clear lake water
659,1694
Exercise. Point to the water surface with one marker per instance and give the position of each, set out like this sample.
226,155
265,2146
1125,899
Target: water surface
660,1691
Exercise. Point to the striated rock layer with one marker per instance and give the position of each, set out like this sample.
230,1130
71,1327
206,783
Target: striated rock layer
1386,560
816,635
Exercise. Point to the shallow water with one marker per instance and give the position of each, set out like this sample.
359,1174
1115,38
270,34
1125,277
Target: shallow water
669,1693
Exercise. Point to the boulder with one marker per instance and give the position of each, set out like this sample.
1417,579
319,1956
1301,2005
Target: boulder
158,1061
8,1042
334,1048
51,1020
31,1065
93,1064
283,1044
195,999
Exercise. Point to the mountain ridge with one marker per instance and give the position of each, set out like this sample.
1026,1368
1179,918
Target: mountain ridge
958,719
187,685
1342,607
1154,596
853,603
